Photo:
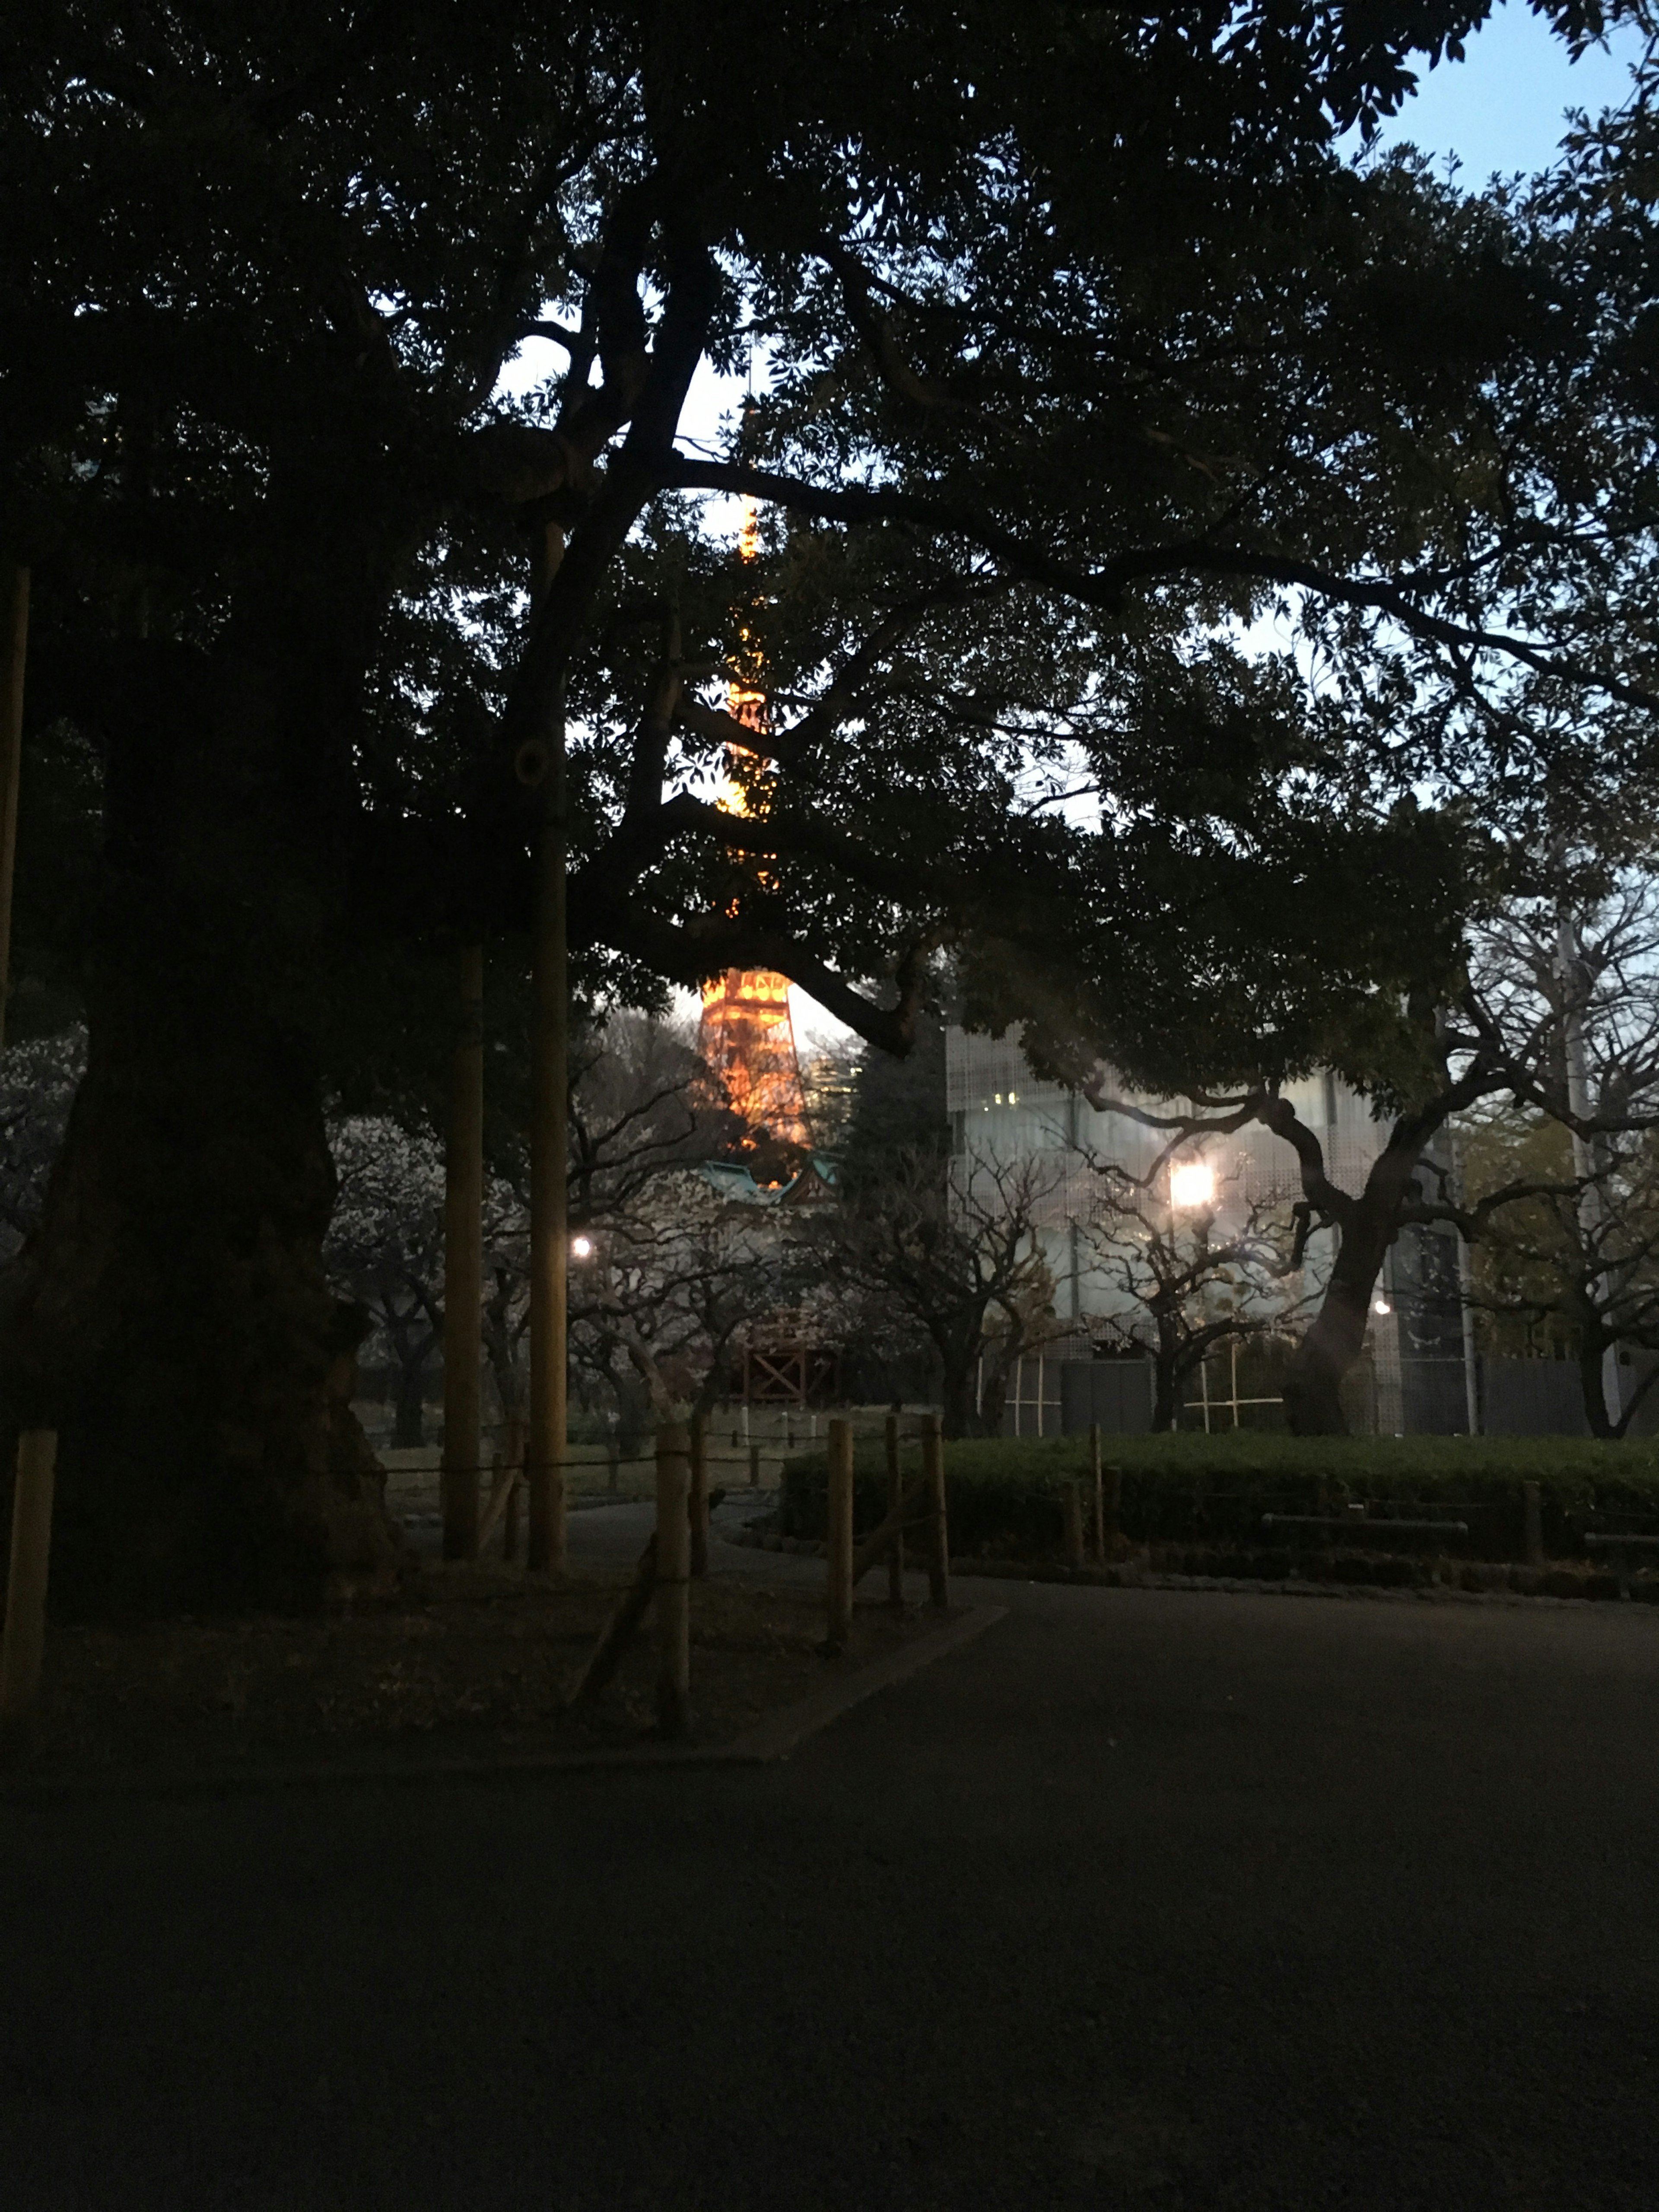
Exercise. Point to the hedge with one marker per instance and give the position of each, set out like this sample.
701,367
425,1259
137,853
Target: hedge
1004,1494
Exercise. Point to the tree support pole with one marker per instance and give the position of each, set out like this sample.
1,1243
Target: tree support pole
550,1109
699,1497
895,1510
673,1582
463,1267
13,644
24,1637
839,1549
939,1533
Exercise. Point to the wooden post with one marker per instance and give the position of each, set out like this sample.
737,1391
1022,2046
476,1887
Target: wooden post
463,1267
24,1636
838,1581
14,645
895,1504
550,1237
673,1581
1533,1511
699,1497
517,1438
1110,1497
754,1467
1100,1493
939,1535
1073,1498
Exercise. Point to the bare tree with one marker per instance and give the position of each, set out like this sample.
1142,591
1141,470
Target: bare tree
1212,1271
951,1251
666,1288
385,1249
38,1083
1566,1212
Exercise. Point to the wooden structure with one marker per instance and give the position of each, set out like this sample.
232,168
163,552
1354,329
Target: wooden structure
784,1363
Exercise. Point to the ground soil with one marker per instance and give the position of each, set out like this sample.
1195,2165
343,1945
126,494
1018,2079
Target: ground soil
476,1660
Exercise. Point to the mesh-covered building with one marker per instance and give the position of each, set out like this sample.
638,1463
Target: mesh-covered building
1001,1112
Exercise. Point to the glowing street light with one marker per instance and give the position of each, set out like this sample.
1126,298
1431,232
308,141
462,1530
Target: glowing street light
581,1248
1381,1306
1191,1183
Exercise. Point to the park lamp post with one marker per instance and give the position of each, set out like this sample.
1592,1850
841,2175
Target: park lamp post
1192,1185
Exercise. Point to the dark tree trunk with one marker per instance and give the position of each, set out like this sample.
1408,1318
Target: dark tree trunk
1369,1224
957,1394
1313,1381
408,1420
1166,1380
170,1316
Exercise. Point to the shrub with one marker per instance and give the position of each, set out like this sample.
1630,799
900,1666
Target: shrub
1004,1493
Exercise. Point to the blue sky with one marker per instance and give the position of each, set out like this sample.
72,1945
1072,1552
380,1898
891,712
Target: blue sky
1502,106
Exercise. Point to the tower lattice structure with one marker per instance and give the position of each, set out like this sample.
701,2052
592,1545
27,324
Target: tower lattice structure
746,1036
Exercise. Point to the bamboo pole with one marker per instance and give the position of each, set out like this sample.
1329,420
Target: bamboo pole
838,1580
550,1225
895,1506
939,1535
1099,1487
699,1497
464,1266
15,645
673,1581
24,1637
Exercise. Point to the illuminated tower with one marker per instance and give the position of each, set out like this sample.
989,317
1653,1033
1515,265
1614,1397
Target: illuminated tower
746,1036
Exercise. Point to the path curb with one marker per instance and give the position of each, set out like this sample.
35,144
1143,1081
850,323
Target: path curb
768,1740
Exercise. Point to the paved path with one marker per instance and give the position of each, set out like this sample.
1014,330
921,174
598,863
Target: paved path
1147,1898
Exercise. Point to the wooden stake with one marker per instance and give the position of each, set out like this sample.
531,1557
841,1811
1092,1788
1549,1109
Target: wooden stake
914,1510
838,1581
673,1581
463,1267
549,1229
895,1506
939,1533
510,1521
1100,1493
754,1467
699,1497
24,1637
504,1497
14,646
620,1630
1073,1504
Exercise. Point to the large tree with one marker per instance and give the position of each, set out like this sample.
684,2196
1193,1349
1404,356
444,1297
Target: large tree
1081,343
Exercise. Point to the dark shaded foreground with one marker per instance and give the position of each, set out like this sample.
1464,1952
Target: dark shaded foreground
1147,1898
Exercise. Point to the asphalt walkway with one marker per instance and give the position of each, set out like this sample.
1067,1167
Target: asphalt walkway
1146,1898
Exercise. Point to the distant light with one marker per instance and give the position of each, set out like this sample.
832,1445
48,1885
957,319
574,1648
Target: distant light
1013,1097
581,1248
1381,1306
1191,1183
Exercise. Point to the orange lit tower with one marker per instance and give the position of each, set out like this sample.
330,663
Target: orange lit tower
746,1036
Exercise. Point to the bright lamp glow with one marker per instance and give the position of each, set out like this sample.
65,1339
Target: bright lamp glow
1191,1183
581,1248
1381,1306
